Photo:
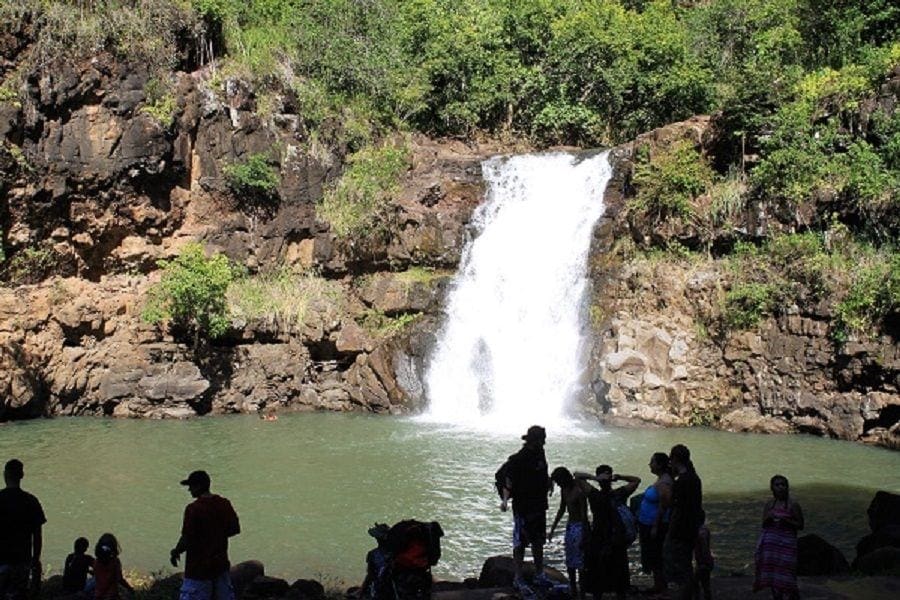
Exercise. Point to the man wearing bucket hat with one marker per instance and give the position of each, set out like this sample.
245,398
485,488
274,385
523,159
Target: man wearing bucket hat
208,523
528,485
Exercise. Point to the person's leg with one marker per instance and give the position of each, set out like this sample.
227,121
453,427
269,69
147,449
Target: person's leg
222,588
195,589
519,543
537,552
573,581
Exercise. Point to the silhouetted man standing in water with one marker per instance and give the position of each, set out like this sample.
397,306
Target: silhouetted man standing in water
687,517
528,484
208,523
21,519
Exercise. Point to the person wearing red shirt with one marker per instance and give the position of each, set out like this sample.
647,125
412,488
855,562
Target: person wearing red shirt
208,523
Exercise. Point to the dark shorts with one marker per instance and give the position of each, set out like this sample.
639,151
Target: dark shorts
529,529
678,558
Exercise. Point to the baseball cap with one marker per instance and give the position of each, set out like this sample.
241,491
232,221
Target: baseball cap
200,478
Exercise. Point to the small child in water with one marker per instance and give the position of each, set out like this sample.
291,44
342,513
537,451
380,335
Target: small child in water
78,565
108,569
704,563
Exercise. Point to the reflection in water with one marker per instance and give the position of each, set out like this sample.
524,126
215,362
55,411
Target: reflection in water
307,487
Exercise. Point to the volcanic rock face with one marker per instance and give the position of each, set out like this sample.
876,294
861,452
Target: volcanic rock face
96,189
657,360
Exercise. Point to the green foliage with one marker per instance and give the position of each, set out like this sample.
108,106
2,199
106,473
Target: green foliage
281,297
161,103
145,32
357,202
873,298
9,95
819,149
380,325
668,181
31,265
254,177
701,417
191,292
746,304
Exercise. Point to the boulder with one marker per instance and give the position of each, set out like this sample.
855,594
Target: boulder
264,586
243,573
884,512
498,571
875,541
307,589
815,556
884,561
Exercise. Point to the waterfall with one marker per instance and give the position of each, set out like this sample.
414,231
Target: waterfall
511,351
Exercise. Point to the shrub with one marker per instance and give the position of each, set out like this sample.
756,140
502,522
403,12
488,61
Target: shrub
253,177
746,304
31,265
192,292
281,297
161,103
357,202
667,182
380,325
873,298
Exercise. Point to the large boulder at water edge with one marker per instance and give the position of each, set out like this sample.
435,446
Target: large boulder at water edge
267,587
498,571
306,589
242,574
815,556
884,512
884,561
884,521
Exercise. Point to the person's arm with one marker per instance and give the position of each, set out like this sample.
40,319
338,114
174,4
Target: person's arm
631,484
506,493
583,476
559,514
796,519
234,523
37,545
121,577
665,501
176,552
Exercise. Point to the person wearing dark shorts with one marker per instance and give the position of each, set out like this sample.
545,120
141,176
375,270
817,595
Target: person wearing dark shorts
528,485
21,520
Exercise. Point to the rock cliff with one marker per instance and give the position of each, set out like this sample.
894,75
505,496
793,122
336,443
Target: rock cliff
95,188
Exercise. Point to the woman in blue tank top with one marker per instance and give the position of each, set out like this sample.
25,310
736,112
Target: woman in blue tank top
653,520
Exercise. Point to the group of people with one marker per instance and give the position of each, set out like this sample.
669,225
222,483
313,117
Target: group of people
668,519
208,523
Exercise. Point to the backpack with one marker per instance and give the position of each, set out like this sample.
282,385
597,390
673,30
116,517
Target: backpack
629,526
414,544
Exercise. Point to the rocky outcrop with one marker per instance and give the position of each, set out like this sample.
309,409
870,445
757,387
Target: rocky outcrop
96,188
660,358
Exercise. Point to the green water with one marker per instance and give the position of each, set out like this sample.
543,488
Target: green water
308,486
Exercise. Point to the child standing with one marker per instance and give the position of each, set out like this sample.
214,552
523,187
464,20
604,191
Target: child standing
78,564
108,569
573,500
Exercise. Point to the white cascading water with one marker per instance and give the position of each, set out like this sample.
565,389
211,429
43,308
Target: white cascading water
511,351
